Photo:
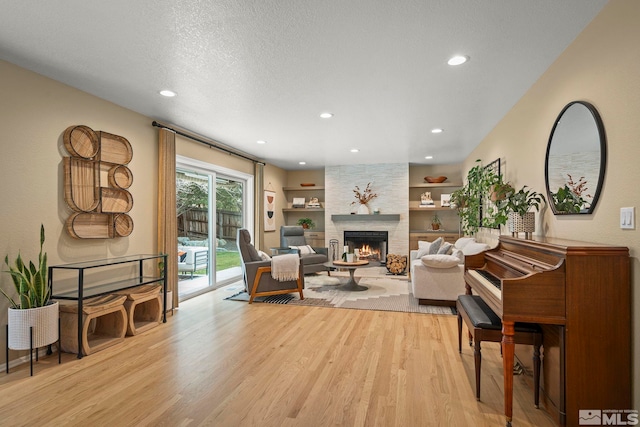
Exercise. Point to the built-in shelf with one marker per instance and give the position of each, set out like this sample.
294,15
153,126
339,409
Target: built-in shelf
311,188
436,185
370,217
435,208
303,210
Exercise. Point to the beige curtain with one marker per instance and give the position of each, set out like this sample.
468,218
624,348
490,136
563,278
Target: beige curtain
167,219
258,204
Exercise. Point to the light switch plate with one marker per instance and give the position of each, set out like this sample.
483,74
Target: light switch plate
627,218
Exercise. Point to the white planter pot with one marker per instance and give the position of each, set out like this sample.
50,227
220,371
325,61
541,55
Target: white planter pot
45,326
363,209
522,224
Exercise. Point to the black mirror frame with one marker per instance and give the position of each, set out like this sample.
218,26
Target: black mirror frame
603,158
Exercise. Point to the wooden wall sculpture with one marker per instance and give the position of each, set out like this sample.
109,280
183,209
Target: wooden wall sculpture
96,180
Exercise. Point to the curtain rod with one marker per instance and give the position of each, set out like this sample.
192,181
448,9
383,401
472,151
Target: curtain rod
213,144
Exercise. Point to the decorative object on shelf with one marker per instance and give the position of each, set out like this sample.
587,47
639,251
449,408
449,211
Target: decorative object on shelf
313,203
307,184
33,317
269,210
445,200
518,204
100,206
568,199
306,223
577,148
435,222
435,179
376,211
363,210
396,264
426,200
298,202
364,197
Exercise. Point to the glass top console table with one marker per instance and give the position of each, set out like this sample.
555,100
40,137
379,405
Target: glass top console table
85,291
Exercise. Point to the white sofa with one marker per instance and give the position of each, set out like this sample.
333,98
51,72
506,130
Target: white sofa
438,279
196,258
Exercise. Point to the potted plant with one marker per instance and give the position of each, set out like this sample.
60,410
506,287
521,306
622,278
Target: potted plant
519,204
306,223
363,197
435,222
33,307
500,191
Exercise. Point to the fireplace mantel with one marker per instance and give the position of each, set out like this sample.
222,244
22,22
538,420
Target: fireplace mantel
370,217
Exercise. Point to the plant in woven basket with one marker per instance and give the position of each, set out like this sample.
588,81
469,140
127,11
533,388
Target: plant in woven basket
521,201
29,280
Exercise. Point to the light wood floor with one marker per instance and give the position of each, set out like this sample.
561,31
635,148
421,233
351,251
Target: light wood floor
228,363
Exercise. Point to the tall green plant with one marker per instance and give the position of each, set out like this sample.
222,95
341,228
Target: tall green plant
30,282
476,194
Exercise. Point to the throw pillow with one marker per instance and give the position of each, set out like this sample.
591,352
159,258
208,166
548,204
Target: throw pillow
182,255
458,254
445,248
440,261
464,241
429,248
304,250
264,256
474,248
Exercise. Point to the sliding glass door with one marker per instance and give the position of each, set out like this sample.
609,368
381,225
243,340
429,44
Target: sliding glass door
212,204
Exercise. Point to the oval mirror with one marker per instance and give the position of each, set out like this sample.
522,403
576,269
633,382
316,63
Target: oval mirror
575,161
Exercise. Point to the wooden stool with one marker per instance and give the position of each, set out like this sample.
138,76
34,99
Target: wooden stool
485,325
104,323
144,307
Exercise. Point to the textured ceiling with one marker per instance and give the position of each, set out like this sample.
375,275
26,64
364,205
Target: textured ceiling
250,70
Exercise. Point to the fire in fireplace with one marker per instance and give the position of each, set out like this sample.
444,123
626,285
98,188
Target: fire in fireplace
371,244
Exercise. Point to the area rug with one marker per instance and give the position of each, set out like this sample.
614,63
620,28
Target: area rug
385,293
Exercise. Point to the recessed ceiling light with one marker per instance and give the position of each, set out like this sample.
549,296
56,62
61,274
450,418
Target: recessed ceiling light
326,115
302,163
428,157
261,141
437,130
458,59
167,93
354,150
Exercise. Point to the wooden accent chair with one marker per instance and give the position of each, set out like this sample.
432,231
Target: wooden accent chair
256,272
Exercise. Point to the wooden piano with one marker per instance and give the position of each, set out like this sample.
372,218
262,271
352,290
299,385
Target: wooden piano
580,294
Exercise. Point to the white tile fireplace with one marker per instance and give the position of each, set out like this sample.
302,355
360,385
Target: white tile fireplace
390,181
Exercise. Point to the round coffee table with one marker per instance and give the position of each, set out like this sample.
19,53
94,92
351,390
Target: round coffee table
351,284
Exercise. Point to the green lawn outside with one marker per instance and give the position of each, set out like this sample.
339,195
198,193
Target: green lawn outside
226,260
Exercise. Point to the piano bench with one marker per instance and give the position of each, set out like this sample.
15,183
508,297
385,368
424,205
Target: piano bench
485,325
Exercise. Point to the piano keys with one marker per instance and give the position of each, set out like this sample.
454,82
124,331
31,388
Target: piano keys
581,293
